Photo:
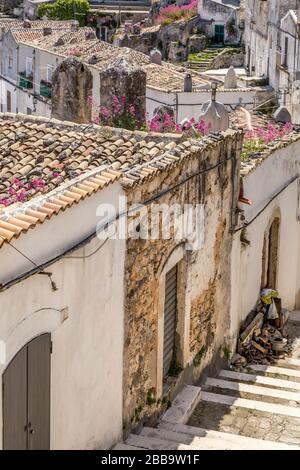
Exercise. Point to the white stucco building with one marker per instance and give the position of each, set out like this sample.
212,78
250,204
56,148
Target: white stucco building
30,56
266,246
223,20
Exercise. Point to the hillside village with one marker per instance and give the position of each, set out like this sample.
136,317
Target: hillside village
150,225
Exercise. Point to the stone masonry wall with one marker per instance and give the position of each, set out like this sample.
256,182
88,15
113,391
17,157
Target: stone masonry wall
206,273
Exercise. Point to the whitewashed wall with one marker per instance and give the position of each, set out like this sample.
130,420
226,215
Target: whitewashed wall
260,186
84,317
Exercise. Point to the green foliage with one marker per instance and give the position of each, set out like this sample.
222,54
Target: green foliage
226,351
250,147
151,400
198,358
64,10
175,368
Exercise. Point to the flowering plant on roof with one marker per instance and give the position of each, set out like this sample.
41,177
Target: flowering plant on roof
171,13
124,115
121,114
74,51
23,190
257,139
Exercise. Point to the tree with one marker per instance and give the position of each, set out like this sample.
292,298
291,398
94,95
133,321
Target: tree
65,10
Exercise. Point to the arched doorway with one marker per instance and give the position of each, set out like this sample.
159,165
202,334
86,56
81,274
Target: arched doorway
270,255
26,397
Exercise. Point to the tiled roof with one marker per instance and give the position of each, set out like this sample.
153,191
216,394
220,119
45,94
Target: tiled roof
250,120
24,34
55,164
7,24
84,45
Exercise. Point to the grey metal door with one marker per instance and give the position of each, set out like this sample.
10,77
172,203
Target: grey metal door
26,397
170,318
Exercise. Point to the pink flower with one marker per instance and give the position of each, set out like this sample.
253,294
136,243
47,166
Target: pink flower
105,112
90,100
132,110
21,196
116,104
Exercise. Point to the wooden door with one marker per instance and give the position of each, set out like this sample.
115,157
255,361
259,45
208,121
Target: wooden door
26,397
170,319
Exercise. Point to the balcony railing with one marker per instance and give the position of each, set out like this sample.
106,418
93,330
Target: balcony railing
25,82
45,89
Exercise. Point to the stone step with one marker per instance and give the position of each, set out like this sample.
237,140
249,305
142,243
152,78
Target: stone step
275,370
259,379
251,404
197,442
143,442
183,405
234,439
253,389
289,361
122,446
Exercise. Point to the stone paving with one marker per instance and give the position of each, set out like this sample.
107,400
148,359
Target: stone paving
244,422
250,422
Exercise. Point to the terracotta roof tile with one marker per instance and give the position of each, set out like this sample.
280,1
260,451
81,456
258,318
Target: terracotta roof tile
43,186
100,54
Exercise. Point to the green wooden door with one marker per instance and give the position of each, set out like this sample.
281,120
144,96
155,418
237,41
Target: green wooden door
219,33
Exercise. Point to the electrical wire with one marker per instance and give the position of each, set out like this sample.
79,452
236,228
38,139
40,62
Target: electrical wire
40,268
53,285
246,224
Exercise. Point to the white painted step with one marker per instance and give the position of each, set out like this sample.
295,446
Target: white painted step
289,361
259,379
243,441
156,443
197,442
275,370
254,389
122,446
274,408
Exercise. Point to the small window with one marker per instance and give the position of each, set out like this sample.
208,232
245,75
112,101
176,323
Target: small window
29,68
10,59
29,111
285,54
8,101
49,72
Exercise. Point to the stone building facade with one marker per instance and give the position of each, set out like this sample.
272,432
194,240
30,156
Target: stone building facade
209,176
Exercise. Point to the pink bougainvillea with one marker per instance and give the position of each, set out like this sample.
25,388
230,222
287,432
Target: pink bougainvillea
171,13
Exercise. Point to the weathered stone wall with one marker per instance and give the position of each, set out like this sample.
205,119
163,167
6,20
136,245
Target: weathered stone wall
72,84
227,58
128,83
206,275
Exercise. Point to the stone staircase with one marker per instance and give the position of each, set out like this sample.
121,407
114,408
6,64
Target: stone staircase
202,61
254,408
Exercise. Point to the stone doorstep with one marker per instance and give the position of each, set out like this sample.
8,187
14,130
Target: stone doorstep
183,405
273,408
243,442
253,389
275,370
259,379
